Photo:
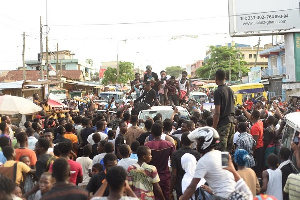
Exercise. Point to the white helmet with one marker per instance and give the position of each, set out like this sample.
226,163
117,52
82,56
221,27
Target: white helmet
207,134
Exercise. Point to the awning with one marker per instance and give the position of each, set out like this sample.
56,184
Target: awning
55,104
272,51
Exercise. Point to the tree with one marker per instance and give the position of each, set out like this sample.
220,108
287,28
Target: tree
174,71
125,74
89,61
221,58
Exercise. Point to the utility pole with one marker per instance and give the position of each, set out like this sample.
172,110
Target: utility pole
47,61
41,49
56,60
240,71
229,69
117,61
60,72
257,51
23,58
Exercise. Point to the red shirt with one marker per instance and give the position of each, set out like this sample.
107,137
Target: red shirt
258,129
75,170
250,104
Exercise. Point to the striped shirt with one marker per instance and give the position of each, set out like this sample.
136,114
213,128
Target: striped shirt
292,186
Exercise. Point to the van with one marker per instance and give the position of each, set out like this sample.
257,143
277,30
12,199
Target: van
290,129
248,90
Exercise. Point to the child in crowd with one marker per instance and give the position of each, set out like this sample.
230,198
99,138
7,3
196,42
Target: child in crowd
142,177
272,178
111,136
125,152
134,146
45,184
28,181
97,168
86,164
17,193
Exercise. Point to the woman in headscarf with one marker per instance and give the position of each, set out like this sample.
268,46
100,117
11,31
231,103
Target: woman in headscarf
189,163
241,158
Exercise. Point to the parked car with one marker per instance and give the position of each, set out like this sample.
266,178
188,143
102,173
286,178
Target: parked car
166,112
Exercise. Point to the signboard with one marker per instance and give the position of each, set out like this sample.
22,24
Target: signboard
255,75
262,17
297,55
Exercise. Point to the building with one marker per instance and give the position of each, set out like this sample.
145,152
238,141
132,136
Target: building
65,62
275,73
112,64
195,66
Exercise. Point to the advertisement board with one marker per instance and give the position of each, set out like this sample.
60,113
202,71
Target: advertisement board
255,75
263,17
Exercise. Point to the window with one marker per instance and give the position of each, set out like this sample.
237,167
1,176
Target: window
254,55
250,56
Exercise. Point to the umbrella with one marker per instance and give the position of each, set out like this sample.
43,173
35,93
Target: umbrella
10,105
55,104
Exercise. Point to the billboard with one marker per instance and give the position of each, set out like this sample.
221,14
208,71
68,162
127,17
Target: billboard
263,17
255,75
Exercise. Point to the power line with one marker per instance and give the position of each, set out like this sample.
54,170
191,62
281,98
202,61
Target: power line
170,21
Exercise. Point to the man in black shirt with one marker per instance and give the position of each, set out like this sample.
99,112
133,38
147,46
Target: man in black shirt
143,136
148,97
61,138
224,112
84,134
110,160
151,77
177,171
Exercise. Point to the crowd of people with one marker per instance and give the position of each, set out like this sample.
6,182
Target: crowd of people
83,155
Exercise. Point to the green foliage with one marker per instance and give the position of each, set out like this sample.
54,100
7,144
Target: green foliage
89,61
174,71
125,74
220,59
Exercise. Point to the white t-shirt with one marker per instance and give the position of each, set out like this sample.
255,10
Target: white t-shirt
86,164
98,158
220,180
126,162
90,140
31,142
236,136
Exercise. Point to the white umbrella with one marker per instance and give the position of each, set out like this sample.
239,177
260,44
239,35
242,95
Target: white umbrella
10,105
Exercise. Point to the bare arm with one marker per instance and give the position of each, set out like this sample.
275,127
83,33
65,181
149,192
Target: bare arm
101,190
296,153
247,114
173,179
188,88
157,190
265,176
216,116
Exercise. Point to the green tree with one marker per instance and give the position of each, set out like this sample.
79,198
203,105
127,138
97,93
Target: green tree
174,71
221,58
125,74
89,61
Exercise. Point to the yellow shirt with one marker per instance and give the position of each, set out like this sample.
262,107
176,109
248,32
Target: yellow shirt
72,137
21,167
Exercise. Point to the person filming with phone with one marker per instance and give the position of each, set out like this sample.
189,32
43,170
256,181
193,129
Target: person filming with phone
209,166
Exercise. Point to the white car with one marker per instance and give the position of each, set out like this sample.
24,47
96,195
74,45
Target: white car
165,111
199,97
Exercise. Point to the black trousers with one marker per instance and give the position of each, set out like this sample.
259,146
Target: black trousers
259,156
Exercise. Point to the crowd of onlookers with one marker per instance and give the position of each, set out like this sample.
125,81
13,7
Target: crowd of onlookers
82,155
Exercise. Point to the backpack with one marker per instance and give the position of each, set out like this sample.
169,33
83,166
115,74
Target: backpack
9,172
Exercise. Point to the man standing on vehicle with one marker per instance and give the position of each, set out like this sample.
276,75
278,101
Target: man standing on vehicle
224,112
151,77
161,87
173,91
184,86
147,99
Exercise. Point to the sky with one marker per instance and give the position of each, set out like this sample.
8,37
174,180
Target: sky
160,33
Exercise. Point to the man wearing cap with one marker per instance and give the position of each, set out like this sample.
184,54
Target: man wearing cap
151,77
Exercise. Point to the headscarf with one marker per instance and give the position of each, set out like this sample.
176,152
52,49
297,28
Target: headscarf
264,197
188,163
241,157
238,195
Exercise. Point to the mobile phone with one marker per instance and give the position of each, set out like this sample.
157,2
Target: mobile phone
225,159
296,139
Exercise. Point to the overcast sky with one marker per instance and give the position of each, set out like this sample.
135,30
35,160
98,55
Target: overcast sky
96,29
